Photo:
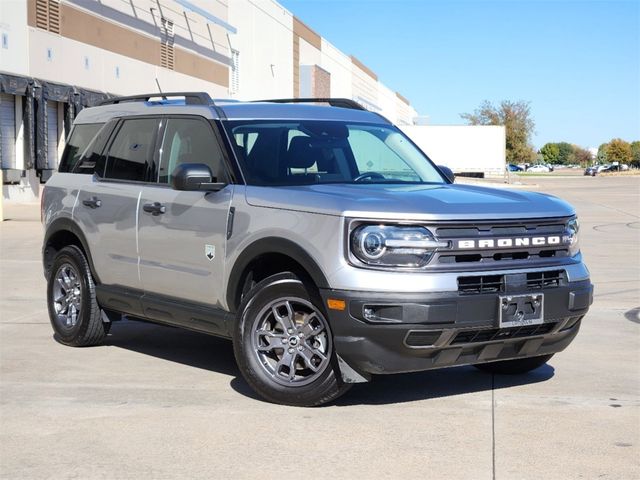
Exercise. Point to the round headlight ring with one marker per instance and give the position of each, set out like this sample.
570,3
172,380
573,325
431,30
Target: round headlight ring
372,245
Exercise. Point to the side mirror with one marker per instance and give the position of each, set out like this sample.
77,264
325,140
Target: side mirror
194,177
447,173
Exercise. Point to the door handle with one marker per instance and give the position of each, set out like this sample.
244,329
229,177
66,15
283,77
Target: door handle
155,208
93,202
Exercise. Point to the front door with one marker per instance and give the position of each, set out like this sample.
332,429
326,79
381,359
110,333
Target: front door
182,235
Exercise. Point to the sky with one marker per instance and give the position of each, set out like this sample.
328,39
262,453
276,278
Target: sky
576,62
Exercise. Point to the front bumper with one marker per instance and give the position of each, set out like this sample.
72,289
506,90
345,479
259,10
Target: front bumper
415,332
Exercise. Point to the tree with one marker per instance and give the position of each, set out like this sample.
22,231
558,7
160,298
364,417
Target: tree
602,153
635,153
566,154
619,151
516,118
582,156
550,153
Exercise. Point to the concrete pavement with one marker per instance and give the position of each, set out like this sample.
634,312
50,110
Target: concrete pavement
158,402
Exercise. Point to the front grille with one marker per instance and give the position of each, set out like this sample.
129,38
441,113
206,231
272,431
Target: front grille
481,284
490,257
488,230
488,335
549,279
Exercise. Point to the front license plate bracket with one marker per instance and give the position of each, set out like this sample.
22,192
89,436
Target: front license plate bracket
521,310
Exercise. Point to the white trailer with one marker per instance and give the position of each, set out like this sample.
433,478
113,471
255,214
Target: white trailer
465,149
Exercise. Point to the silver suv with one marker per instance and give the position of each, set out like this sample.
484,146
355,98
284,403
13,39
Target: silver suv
312,233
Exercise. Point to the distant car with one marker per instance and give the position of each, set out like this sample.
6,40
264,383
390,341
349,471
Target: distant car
538,169
514,168
615,168
591,171
602,168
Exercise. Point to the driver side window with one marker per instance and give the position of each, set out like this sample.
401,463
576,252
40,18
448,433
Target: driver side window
373,155
189,140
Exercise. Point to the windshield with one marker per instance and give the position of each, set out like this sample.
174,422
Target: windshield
308,152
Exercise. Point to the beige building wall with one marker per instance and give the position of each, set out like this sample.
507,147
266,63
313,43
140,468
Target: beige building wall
244,49
365,85
264,46
405,113
90,49
13,27
339,65
387,102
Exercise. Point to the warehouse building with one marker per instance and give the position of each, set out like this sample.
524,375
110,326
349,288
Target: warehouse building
59,56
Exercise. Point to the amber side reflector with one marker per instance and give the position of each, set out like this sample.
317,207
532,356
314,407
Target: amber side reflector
334,304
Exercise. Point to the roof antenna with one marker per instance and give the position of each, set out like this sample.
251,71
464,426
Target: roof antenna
160,89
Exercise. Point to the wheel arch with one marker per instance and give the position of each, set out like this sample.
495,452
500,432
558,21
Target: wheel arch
60,233
269,256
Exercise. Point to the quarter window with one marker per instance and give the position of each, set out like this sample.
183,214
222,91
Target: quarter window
131,150
189,140
80,138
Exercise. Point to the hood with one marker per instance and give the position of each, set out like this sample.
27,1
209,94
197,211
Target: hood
410,202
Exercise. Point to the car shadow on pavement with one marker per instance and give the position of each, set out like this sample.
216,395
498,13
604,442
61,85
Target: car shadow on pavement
431,384
175,345
215,354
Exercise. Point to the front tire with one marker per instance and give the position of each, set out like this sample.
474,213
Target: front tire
71,300
283,344
514,367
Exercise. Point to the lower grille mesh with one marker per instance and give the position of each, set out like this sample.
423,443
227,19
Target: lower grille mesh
481,284
548,279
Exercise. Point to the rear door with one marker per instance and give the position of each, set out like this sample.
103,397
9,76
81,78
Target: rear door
182,249
107,208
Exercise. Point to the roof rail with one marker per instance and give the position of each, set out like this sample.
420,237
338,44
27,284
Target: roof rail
334,102
190,98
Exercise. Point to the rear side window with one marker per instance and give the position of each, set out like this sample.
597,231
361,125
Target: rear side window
131,151
80,138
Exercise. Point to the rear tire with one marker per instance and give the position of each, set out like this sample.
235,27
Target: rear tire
514,367
283,344
71,300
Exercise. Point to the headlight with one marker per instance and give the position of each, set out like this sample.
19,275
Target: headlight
571,237
393,245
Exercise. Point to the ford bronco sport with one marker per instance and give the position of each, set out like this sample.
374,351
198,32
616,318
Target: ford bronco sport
317,237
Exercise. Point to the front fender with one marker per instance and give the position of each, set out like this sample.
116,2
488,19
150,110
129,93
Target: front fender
268,245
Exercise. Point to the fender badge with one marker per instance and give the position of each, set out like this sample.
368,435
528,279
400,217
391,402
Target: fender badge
210,252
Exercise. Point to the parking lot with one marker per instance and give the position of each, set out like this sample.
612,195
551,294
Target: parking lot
158,402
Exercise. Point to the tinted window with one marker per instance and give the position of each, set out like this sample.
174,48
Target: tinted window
304,152
189,140
78,141
91,160
132,150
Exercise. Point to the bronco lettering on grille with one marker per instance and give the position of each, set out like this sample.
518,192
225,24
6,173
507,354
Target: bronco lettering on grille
509,242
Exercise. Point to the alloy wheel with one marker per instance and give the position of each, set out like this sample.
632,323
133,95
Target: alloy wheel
292,342
67,296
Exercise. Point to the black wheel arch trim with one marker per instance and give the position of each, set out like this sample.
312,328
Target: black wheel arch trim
272,245
67,224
